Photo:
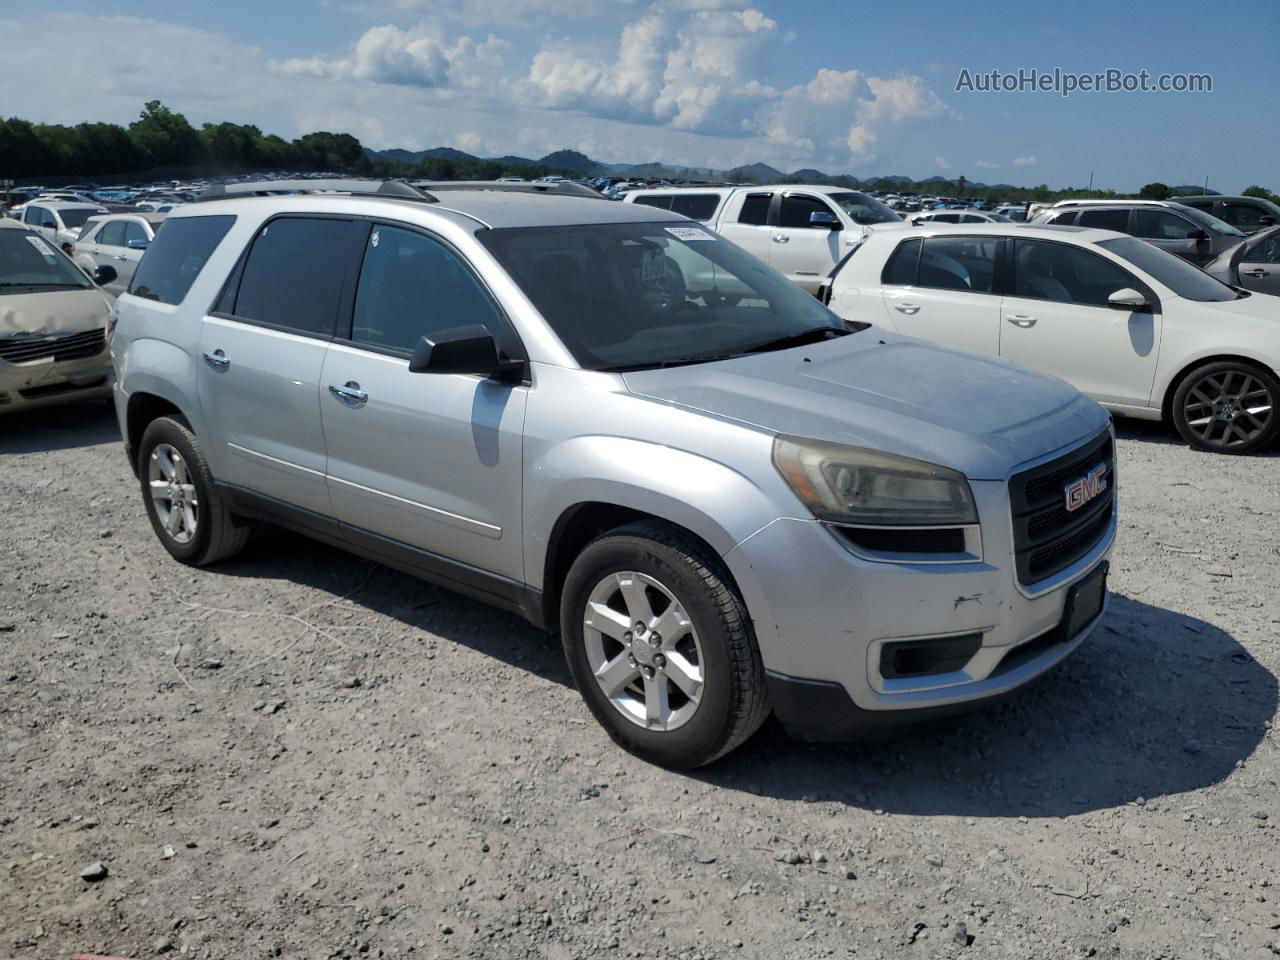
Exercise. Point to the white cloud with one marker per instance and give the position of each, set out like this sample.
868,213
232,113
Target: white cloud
987,165
1025,161
942,163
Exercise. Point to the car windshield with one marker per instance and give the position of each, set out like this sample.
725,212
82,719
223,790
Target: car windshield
27,260
1185,280
1213,223
76,216
633,295
864,209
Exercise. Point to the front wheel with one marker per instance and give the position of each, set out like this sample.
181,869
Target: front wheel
660,646
1227,407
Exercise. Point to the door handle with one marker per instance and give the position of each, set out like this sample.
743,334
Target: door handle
350,393
910,309
781,238
218,360
1258,273
1021,320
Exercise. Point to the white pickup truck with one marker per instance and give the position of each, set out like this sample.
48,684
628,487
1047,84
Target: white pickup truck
801,231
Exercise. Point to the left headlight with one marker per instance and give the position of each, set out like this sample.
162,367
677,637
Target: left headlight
857,486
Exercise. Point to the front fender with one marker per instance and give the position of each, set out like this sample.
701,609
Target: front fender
711,500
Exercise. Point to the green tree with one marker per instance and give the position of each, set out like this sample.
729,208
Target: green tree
1155,191
165,137
231,144
1260,192
22,151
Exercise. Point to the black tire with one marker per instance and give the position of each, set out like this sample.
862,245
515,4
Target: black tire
734,700
1230,428
218,534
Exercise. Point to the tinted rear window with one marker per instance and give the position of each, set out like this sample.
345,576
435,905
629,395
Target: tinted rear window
755,208
698,206
176,257
901,268
294,274
660,200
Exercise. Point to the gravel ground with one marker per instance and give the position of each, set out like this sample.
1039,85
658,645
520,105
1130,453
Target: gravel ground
299,754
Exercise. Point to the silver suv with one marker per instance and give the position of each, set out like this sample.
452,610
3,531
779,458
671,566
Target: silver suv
726,504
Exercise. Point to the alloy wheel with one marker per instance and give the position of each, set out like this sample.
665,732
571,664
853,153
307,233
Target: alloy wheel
1228,408
173,494
643,651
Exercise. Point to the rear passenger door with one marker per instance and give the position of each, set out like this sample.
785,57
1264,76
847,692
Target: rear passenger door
1057,321
941,289
1260,265
805,252
135,245
745,221
427,461
263,351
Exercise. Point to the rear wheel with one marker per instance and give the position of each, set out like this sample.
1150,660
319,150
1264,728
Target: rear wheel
186,512
1227,407
660,646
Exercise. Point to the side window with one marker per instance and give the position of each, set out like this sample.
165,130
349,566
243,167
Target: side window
1161,225
901,268
958,263
31,215
945,218
970,218
755,208
411,285
662,200
294,273
1240,215
1267,251
1105,219
796,211
1065,274
111,234
134,231
698,206
1063,219
177,255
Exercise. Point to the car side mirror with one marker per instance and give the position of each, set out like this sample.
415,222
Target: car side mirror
1129,299
469,349
1267,220
821,218
138,244
1197,234
48,225
104,275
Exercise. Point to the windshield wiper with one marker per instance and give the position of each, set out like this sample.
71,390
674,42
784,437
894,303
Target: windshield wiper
663,364
42,283
813,335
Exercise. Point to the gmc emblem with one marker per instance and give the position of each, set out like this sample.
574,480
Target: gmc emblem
1079,492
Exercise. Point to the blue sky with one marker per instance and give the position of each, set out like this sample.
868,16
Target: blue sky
843,86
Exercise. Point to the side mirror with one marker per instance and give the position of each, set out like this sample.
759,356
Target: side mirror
104,275
1267,220
138,244
48,225
821,218
1197,234
1130,300
469,349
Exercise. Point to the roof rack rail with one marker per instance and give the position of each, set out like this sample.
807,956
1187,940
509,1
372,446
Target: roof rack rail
363,188
566,188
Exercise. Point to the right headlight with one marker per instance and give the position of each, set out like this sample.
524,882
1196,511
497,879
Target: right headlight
853,485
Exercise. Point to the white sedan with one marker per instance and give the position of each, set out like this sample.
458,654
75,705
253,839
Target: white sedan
1140,330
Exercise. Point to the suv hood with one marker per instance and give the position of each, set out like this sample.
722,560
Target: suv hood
53,311
889,393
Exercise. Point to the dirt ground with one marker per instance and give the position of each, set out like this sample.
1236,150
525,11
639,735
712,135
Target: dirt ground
301,754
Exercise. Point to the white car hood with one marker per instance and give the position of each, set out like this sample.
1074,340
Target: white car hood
54,311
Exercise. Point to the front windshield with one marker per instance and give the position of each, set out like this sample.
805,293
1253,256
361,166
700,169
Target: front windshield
1186,281
864,209
27,260
1209,220
633,295
76,216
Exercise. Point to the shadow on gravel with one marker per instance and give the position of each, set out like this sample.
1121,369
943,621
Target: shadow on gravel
281,555
1150,431
84,424
1153,704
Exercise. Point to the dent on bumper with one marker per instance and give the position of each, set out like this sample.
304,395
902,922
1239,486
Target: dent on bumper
29,384
822,616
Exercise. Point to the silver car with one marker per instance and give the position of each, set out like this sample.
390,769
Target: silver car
118,241
726,505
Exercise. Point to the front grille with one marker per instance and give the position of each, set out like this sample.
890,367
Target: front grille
53,389
75,346
1047,537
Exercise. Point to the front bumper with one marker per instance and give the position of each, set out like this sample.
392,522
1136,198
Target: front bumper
823,615
24,386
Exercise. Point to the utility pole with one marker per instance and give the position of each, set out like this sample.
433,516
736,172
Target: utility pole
1205,191
1090,191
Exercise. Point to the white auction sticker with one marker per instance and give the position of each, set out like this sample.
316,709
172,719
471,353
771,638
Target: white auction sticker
40,245
690,233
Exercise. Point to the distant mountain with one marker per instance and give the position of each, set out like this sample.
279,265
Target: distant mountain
759,172
574,161
808,173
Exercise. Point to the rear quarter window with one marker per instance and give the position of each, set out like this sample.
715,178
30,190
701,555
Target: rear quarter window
177,255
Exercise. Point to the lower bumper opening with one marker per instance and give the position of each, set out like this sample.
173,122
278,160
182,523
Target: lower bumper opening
927,658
